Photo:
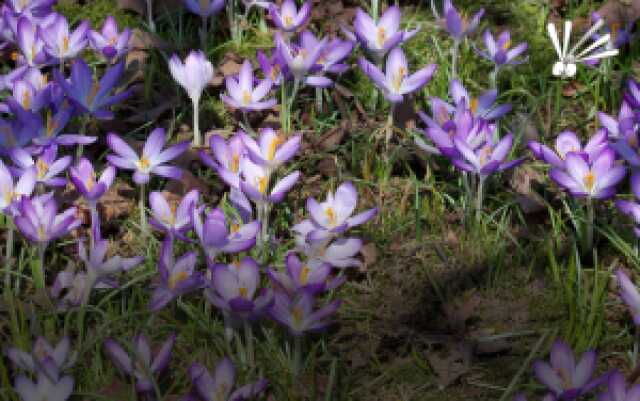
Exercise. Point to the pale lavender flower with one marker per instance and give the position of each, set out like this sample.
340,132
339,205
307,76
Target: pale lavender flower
273,67
40,222
339,253
617,389
299,314
300,277
61,43
46,165
629,294
228,155
302,61
219,386
36,8
48,386
256,179
271,150
456,24
11,192
110,42
288,17
41,352
86,182
173,219
567,142
243,95
30,43
500,51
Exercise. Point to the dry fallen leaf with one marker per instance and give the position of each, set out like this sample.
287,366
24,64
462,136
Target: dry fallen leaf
369,254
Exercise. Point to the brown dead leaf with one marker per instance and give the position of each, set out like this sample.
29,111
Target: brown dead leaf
459,312
449,365
522,179
369,254
187,183
332,138
572,89
137,6
327,167
117,202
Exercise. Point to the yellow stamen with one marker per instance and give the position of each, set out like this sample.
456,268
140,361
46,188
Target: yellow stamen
52,124
94,92
26,100
234,229
331,216
42,168
91,181
246,97
506,45
235,162
243,292
382,36
177,278
474,105
589,180
42,234
7,197
304,274
275,71
298,315
398,78
288,21
262,184
65,44
144,163
485,155
271,152
14,56
615,28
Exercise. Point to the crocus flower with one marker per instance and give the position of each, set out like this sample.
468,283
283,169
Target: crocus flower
567,142
43,351
378,38
340,253
228,155
335,214
302,61
90,96
624,126
216,235
617,389
396,82
140,364
11,192
629,294
565,378
47,166
40,222
298,313
271,150
500,52
177,277
568,58
219,386
619,36
174,219
98,274
27,97
48,386
632,208
256,179
61,43
300,277
234,290
484,106
110,42
288,18
84,178
243,95
36,8
487,158
152,160
595,179
193,75
632,94
273,67
30,43
456,24
445,123
204,8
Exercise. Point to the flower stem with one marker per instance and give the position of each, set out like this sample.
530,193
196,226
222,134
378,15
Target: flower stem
589,225
83,132
197,140
248,336
319,99
38,269
291,100
454,59
152,24
94,221
297,356
493,78
247,125
143,215
479,199
203,34
8,254
374,9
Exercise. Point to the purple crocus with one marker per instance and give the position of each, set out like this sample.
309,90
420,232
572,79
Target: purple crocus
300,277
620,37
256,179
629,294
596,179
90,96
335,214
110,42
565,378
617,389
217,236
228,155
43,351
288,18
567,142
340,253
484,106
396,82
456,24
500,51
84,178
49,130
48,385
204,8
177,277
61,43
271,150
36,8
219,385
193,75
632,94
380,37
11,192
624,126
302,61
234,289
47,166
30,43
487,158
298,313
140,364
273,67
173,219
243,95
40,222
632,208
28,97
152,160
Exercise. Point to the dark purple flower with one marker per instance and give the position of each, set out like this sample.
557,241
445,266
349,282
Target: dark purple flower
300,277
298,313
458,26
152,160
617,389
174,219
110,42
140,364
500,52
40,222
84,178
219,386
217,235
273,67
484,106
632,208
204,8
486,158
228,155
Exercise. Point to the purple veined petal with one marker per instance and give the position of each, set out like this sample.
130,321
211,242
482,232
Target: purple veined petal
171,152
584,369
142,350
635,184
288,149
224,377
121,162
121,147
551,157
562,358
140,178
303,14
390,20
318,81
362,218
248,277
225,282
154,144
161,361
517,51
612,177
170,172
566,181
576,166
417,80
548,376
467,153
119,356
20,358
454,24
566,142
396,64
458,92
373,72
503,148
345,200
249,391
489,42
261,90
283,186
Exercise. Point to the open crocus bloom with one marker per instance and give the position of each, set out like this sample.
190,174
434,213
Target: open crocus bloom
228,155
84,178
46,165
629,294
567,142
152,160
500,51
335,214
177,277
204,8
271,150
110,42
40,222
256,180
141,363
396,82
617,389
272,67
340,253
302,61
487,158
300,277
378,38
61,43
28,97
49,130
632,208
217,236
219,386
484,106
333,53
565,378
37,8
173,219
48,386
234,289
11,193
30,43
456,24
241,93
595,179
298,313
288,17
42,351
